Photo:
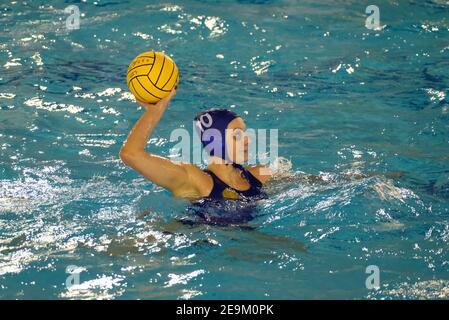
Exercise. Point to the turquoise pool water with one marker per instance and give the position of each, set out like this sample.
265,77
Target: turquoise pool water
346,100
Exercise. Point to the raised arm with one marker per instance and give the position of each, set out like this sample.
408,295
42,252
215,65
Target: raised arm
162,171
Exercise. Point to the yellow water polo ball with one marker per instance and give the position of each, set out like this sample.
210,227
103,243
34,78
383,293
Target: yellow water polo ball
151,76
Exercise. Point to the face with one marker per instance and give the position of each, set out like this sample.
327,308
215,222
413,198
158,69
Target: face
237,140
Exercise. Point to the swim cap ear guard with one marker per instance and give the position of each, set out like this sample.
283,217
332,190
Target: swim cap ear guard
211,127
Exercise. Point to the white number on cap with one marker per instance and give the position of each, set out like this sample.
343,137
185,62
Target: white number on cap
205,124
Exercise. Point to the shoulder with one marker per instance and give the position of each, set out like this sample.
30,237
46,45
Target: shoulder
260,172
197,184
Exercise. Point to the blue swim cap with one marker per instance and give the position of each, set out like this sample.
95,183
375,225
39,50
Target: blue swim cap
210,125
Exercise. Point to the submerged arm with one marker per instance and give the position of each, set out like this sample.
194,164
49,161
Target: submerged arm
295,176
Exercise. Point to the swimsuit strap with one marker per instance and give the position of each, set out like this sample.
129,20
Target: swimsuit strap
253,181
221,189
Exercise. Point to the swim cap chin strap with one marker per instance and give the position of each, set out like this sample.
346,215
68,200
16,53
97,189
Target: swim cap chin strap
217,119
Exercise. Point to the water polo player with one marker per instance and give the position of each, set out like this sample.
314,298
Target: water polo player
225,177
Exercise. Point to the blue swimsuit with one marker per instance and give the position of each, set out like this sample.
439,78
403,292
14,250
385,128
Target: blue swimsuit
221,190
225,205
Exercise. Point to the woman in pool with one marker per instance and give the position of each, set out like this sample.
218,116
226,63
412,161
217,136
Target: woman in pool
225,177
